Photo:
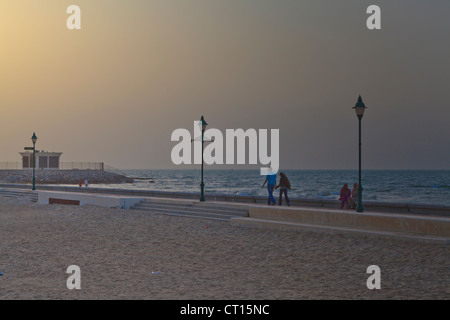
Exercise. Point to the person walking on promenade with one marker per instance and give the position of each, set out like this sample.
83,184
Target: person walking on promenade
284,186
86,182
80,183
354,197
271,180
345,196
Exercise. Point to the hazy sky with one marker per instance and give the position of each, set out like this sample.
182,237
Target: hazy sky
137,70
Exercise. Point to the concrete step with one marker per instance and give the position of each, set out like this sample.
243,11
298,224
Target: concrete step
191,210
186,213
194,208
19,194
185,202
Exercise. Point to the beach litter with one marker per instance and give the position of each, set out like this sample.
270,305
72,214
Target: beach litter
1,273
155,272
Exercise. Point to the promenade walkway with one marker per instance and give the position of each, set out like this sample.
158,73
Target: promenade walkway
432,225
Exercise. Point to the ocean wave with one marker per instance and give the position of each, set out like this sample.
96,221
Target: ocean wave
390,186
434,186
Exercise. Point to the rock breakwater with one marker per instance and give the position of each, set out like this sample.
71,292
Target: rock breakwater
62,176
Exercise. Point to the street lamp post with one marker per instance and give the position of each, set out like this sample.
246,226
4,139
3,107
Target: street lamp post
202,185
359,108
34,139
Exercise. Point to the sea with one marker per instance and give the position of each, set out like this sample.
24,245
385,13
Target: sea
429,187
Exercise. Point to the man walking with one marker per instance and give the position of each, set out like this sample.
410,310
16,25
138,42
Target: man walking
271,180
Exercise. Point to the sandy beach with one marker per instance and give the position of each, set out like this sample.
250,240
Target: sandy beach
131,254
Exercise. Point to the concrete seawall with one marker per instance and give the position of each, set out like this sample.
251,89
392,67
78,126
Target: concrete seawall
375,221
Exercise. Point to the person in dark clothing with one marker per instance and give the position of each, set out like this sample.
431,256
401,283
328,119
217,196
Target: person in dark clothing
284,186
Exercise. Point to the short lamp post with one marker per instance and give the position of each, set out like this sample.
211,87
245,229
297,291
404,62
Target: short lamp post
359,108
34,139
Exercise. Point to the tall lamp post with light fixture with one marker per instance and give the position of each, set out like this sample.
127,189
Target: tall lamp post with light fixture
202,184
34,139
203,124
359,107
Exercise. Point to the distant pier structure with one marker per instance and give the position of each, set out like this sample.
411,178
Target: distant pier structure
44,160
51,170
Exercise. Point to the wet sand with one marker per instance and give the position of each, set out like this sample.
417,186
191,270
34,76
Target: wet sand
131,254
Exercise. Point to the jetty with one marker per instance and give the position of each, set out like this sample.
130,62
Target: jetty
60,173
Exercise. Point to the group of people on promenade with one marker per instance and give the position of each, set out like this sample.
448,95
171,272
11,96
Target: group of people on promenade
284,185
348,198
86,182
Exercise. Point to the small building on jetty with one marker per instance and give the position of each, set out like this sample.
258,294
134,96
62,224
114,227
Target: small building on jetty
50,170
44,160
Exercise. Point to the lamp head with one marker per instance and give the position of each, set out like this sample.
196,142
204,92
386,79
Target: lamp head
360,107
34,138
203,123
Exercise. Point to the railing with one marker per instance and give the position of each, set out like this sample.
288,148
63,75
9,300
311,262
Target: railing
111,169
5,165
81,165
